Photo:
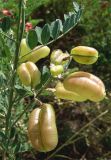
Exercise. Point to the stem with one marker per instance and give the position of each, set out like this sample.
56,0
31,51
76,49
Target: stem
19,36
14,70
23,21
31,105
73,136
43,86
24,111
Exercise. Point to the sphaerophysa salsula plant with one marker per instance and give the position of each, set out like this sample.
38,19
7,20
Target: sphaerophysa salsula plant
20,77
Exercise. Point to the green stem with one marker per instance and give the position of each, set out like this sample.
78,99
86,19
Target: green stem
73,136
43,86
23,21
19,36
24,111
31,105
13,72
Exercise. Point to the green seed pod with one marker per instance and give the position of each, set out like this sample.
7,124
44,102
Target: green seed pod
34,73
24,49
42,129
24,74
86,85
36,54
84,55
56,70
29,74
58,57
62,93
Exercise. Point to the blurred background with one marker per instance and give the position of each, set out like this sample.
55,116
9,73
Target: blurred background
94,29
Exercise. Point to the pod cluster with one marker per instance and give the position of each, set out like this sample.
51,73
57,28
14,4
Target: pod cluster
28,72
42,129
78,86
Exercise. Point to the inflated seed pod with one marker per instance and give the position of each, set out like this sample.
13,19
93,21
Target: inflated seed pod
58,57
34,73
42,129
24,49
24,74
29,74
33,130
84,54
62,93
36,54
56,70
86,85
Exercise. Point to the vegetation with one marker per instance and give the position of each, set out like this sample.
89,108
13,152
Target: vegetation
84,128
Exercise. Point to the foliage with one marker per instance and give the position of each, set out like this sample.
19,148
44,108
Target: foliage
81,126
56,29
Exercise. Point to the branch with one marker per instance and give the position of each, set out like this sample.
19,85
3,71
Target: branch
11,92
